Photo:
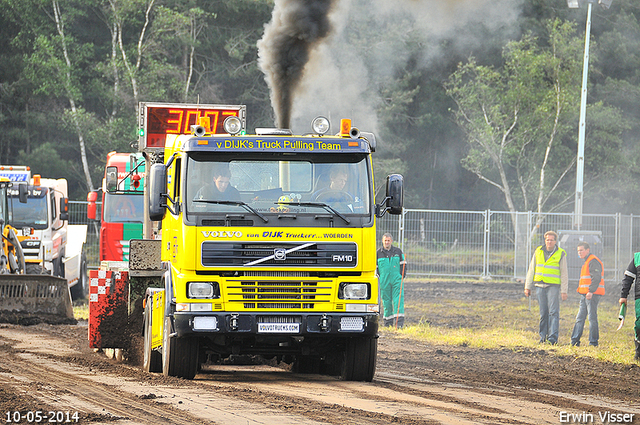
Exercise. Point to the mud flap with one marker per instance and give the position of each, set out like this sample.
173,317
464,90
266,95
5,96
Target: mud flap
35,294
108,309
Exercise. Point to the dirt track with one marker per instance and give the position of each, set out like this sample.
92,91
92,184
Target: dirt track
50,368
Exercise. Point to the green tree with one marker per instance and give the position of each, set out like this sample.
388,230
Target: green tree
521,120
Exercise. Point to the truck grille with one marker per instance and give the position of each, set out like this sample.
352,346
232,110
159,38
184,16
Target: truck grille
298,254
258,294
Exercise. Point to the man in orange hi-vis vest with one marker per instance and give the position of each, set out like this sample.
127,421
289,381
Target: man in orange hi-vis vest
591,289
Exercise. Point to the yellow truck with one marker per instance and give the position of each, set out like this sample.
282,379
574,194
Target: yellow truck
268,248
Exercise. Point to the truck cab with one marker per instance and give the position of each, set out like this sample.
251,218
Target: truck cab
41,213
50,244
122,214
268,242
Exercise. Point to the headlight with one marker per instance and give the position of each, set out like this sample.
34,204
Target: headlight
232,125
354,291
320,125
203,290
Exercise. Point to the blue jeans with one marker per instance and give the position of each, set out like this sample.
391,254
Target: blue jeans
549,301
587,308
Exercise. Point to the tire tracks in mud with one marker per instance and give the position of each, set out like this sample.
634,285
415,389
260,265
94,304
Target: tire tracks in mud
57,388
49,364
388,399
494,395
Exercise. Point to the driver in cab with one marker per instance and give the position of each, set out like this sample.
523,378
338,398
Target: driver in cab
335,192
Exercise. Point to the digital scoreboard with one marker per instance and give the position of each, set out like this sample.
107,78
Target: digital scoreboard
156,120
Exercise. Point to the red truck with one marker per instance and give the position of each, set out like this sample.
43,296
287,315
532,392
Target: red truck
122,213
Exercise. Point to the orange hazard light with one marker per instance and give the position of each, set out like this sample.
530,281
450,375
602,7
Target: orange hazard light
345,127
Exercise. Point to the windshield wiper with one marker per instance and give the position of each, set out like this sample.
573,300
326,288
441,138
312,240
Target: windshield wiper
236,203
317,204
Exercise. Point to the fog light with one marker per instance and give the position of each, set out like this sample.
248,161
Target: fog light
351,324
201,323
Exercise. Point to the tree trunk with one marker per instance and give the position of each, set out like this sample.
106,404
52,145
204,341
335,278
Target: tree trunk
72,103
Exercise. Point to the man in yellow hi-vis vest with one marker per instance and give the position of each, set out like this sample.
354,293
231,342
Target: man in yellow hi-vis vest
591,289
548,272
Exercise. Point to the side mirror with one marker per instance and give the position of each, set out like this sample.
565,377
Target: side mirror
395,193
92,197
394,198
157,192
64,209
111,177
23,193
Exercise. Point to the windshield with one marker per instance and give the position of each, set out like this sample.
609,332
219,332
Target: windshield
277,186
123,208
33,213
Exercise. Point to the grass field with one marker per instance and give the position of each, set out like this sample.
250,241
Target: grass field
81,310
506,324
513,325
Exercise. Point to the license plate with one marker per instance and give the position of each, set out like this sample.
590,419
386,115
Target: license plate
287,328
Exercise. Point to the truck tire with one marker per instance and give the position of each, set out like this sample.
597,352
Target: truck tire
36,269
152,361
179,355
332,362
16,259
58,267
360,359
81,288
306,364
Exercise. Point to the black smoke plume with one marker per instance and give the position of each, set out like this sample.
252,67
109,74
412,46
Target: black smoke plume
296,26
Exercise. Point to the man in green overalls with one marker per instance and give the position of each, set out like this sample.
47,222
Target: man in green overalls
392,268
630,276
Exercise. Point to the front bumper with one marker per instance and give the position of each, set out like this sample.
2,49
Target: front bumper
275,324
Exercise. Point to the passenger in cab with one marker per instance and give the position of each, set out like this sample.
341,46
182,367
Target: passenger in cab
219,189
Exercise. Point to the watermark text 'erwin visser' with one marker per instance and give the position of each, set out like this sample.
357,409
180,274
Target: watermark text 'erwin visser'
589,418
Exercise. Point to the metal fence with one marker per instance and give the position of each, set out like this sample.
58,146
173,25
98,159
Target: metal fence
474,244
498,244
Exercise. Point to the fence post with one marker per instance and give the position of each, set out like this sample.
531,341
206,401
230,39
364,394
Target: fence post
616,250
485,253
401,228
529,226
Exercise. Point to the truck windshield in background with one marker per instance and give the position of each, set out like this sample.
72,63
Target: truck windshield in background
123,208
33,213
3,203
277,183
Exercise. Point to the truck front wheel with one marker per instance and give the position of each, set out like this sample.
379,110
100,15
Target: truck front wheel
179,355
306,364
360,359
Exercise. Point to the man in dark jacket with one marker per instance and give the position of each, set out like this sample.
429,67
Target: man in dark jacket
631,276
219,188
